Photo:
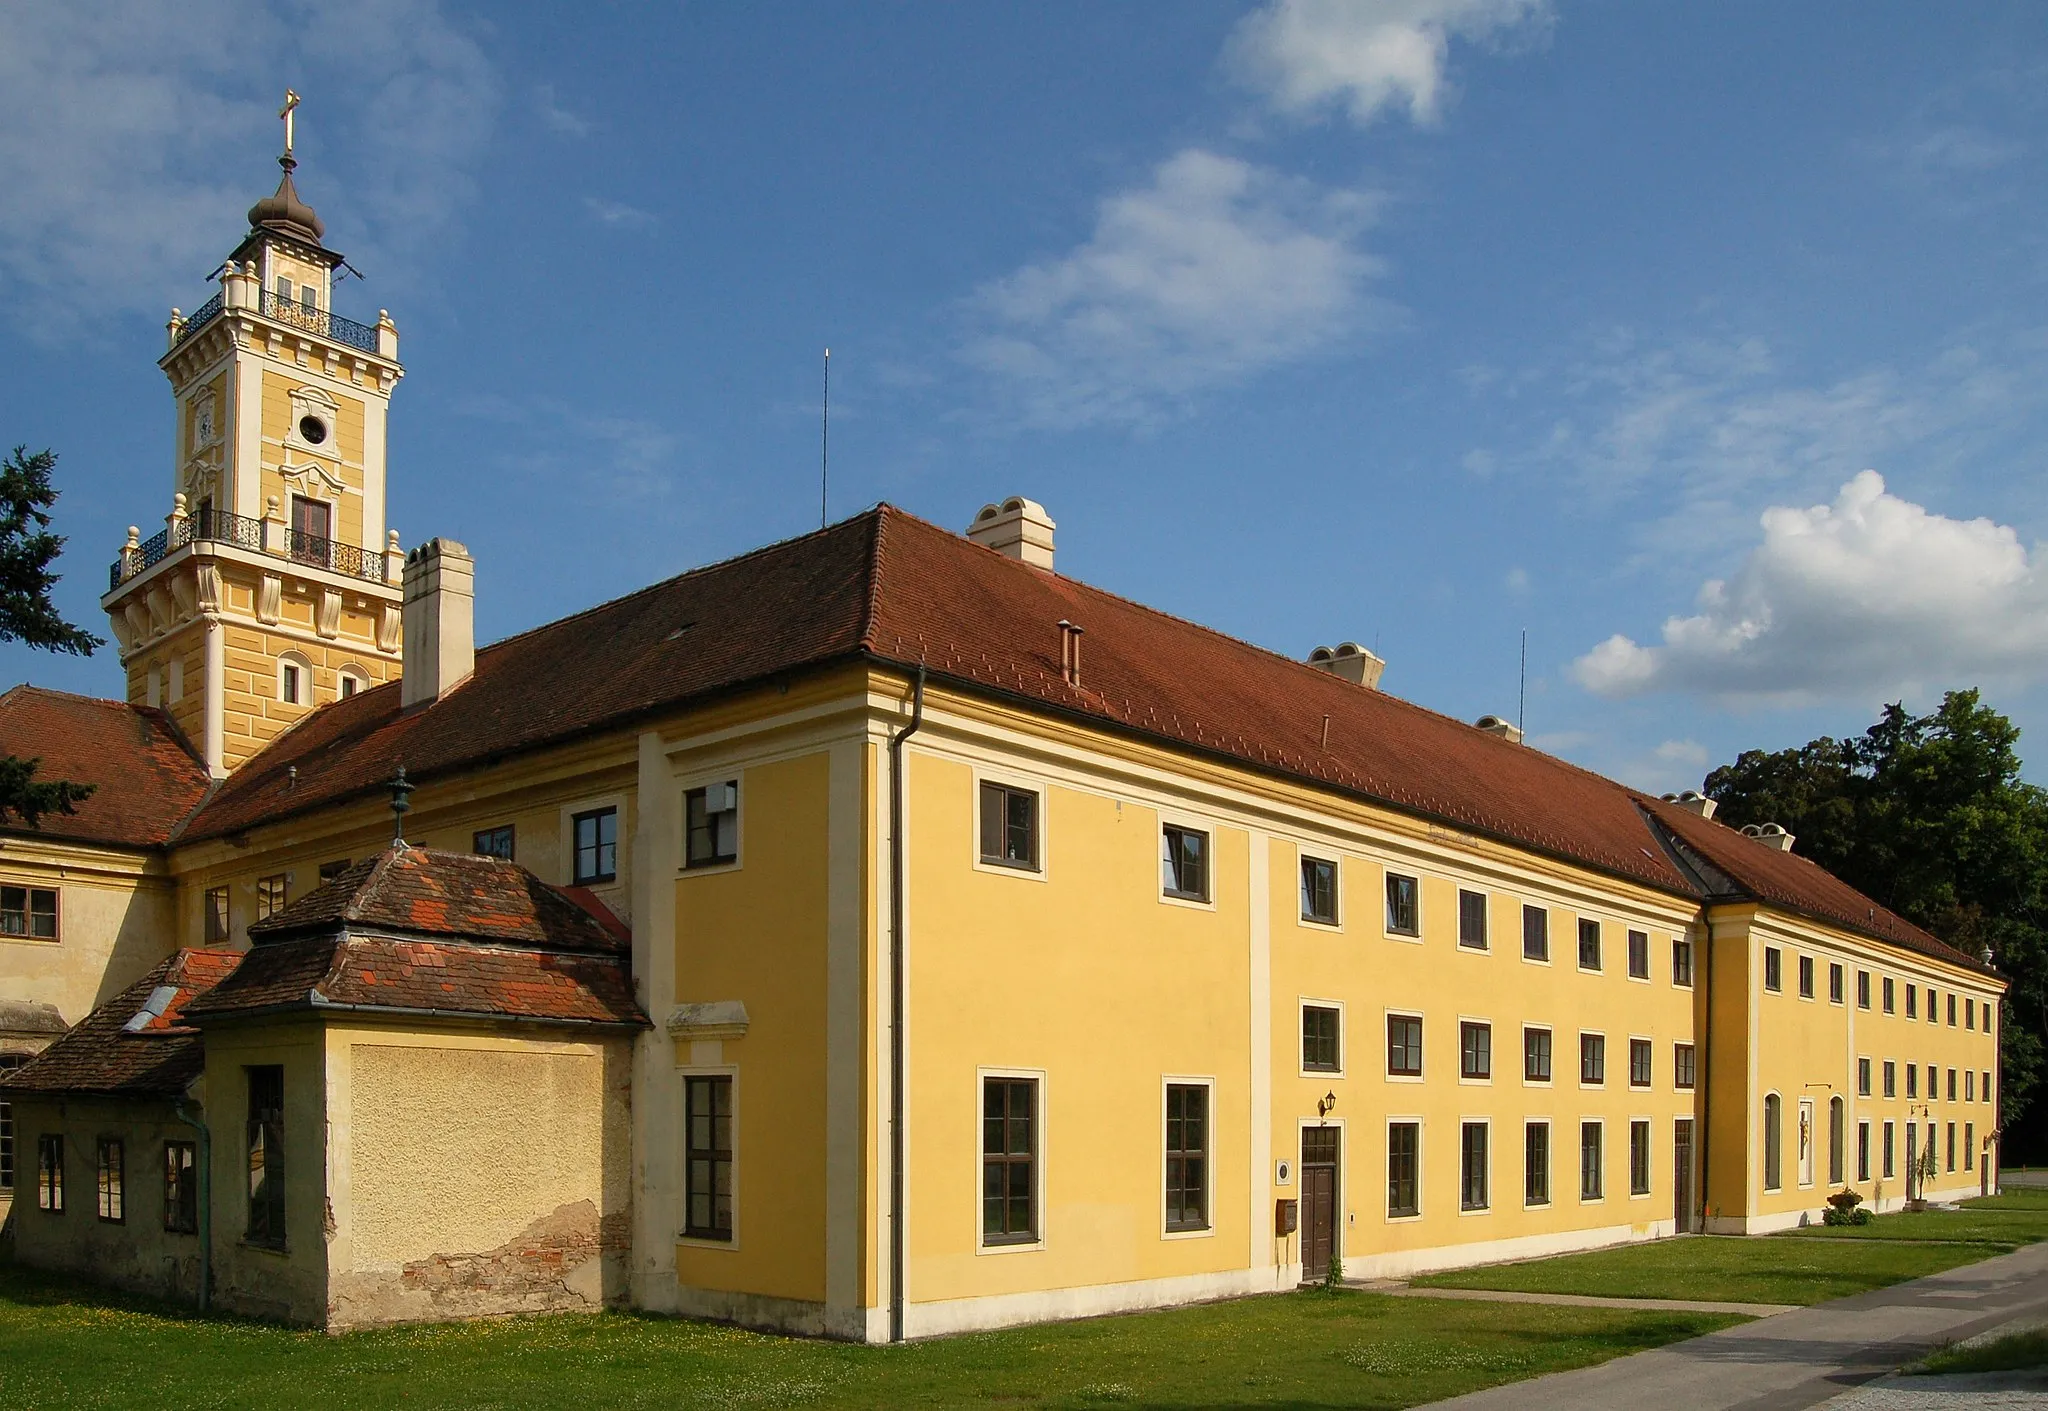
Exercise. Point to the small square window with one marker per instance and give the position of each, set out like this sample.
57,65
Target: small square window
1404,1045
1639,955
1806,977
499,842
29,911
270,894
1475,1050
1535,933
1681,961
1184,863
711,825
1009,826
1684,1060
1403,905
1640,1060
1472,920
1592,1059
1321,1039
1589,944
1774,969
596,838
1319,891
1535,1055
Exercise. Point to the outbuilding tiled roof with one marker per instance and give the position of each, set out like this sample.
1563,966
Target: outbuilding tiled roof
138,1044
889,588
148,777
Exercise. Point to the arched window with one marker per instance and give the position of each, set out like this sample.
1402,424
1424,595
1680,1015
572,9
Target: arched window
1774,1150
352,679
1837,1137
294,679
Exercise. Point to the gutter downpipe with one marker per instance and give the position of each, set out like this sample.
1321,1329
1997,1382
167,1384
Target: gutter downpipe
205,1173
898,984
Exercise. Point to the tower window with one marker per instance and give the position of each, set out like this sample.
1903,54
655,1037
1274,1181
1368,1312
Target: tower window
284,289
312,430
289,687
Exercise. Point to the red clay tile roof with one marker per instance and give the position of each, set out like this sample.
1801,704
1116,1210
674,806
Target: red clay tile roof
463,896
138,1044
148,777
888,587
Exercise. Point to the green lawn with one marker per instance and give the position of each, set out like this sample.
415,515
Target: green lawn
2007,1221
2007,1354
1775,1269
65,1346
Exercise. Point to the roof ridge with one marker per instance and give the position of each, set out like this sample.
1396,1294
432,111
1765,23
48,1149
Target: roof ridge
871,608
108,701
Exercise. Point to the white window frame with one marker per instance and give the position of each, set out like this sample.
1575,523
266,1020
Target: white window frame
1527,1081
1475,1120
1580,1172
1649,1152
1193,825
1336,860
1303,1002
706,1070
1421,920
1493,1054
308,696
1550,1147
1188,1080
1043,1137
1421,1125
1486,941
1023,784
1392,1013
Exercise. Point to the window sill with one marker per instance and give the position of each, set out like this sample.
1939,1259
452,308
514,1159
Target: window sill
1412,937
1193,903
1465,1082
34,940
1192,1232
1012,1247
1322,1072
1314,924
281,1251
1464,1211
1406,1219
1537,1082
707,1242
1542,960
1403,1077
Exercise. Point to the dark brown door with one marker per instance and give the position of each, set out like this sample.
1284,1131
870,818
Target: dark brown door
1681,1173
1319,1162
312,526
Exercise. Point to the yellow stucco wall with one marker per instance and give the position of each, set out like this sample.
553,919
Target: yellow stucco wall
116,914
341,455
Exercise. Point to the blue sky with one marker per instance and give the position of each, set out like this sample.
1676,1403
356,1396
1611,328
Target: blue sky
1415,322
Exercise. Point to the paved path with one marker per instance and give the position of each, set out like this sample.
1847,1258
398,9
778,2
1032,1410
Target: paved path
1802,1358
1980,1391
1396,1289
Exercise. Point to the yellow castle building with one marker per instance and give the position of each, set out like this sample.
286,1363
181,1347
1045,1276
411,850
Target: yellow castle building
877,935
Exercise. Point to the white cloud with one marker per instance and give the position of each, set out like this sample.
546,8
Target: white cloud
1211,272
138,133
618,214
1517,581
1365,55
1868,594
557,118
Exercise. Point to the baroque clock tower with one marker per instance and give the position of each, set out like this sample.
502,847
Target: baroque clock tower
275,585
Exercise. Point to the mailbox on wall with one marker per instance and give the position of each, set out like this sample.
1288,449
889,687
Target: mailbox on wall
1286,1217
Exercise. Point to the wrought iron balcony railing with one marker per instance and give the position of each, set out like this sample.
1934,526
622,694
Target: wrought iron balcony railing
220,527
201,316
319,320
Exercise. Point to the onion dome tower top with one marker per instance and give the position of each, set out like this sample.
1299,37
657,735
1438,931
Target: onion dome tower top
283,210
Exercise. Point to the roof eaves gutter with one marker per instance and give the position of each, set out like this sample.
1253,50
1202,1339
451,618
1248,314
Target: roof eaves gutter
317,1004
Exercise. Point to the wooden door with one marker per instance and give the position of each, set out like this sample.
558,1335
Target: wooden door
1681,1173
312,530
1319,1163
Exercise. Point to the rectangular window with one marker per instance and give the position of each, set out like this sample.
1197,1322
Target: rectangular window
1862,1151
1933,1083
1589,1161
1891,1078
1184,863
1774,973
28,911
288,692
1863,989
8,1063
711,824
112,1183
1984,1087
1319,891
1535,1055
1536,1163
1187,1156
1535,933
1472,920
1835,979
1969,1014
1009,1156
1639,1158
1951,1009
216,908
1969,1146
1774,1142
265,1149
707,1158
1951,1085
1404,915
1639,1063
1969,1085
1404,1156
497,842
1889,1151
1639,955
1951,1164
1592,1059
1683,1067
1404,1045
1681,961
1589,944
1890,992
284,289
50,1173
1912,1002
270,894
1863,1077
181,1188
596,838
1009,826
1321,1038
1475,1050
331,870
1912,1081
1806,977
1986,1011
1472,1167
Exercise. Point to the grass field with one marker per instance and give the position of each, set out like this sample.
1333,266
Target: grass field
2007,1221
65,1346
2007,1354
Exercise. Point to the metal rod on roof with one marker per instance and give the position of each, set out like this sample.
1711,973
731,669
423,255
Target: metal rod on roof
825,441
1522,687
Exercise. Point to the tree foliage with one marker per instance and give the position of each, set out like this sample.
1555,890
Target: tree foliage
1929,815
28,555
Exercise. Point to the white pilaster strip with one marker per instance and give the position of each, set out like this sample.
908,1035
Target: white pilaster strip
215,706
1261,1038
846,836
657,1092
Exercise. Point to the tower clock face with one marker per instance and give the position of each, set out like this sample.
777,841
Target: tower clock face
312,430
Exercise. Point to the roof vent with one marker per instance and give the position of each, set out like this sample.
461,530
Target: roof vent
1350,661
1770,835
1495,725
1693,801
1017,528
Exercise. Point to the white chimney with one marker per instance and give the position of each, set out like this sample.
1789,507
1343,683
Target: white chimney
1017,528
1497,725
440,620
1350,661
1771,835
1693,801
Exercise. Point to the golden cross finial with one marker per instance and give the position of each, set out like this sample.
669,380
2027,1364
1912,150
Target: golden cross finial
291,101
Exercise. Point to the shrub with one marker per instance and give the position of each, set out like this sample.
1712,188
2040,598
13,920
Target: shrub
1842,1209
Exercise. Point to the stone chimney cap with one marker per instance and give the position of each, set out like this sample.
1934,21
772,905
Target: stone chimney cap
1501,726
1017,528
1771,835
1350,661
1693,801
